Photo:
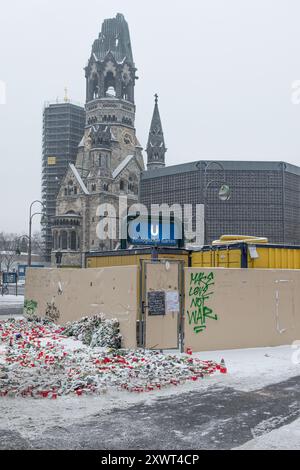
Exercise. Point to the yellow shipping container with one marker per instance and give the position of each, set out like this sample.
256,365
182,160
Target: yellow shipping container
248,255
239,255
132,257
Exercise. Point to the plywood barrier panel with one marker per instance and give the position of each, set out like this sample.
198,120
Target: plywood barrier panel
241,308
162,330
85,292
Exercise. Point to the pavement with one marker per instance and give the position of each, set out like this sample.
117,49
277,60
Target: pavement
10,311
215,418
9,306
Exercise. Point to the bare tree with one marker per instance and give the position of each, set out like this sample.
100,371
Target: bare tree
8,250
13,245
1,249
37,244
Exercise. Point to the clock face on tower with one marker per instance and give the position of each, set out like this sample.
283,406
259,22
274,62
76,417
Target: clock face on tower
127,139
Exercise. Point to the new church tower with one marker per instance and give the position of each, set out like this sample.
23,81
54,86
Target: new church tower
156,149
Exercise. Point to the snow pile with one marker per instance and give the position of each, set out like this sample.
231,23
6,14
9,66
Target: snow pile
36,363
96,331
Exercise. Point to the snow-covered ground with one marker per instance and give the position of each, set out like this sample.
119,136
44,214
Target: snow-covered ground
252,369
283,438
248,369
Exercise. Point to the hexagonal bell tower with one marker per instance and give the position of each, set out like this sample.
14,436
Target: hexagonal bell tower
110,82
109,160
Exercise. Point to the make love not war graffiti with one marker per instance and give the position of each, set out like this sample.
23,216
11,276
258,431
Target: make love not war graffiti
200,291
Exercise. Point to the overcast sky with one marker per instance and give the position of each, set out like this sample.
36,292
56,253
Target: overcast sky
223,70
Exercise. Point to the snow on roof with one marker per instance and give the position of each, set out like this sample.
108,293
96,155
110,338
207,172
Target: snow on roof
122,165
19,254
113,137
78,177
81,143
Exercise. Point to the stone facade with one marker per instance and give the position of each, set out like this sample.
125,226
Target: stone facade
109,160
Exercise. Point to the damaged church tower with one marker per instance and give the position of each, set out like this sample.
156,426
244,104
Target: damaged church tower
109,160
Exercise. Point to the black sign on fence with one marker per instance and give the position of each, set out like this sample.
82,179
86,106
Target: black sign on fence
10,278
157,303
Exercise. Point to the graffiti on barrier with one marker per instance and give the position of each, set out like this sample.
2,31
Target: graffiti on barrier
30,307
200,291
52,313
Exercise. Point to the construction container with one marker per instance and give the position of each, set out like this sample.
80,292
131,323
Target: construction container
133,257
233,255
247,255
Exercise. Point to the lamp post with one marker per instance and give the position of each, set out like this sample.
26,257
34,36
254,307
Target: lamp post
224,193
30,226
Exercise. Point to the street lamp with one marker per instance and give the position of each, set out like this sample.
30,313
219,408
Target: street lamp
17,241
30,226
224,193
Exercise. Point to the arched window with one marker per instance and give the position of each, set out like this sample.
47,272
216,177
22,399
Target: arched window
133,183
127,91
64,240
122,185
54,239
110,84
125,94
73,241
94,86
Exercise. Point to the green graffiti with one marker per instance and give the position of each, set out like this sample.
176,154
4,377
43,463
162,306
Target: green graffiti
30,307
199,294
